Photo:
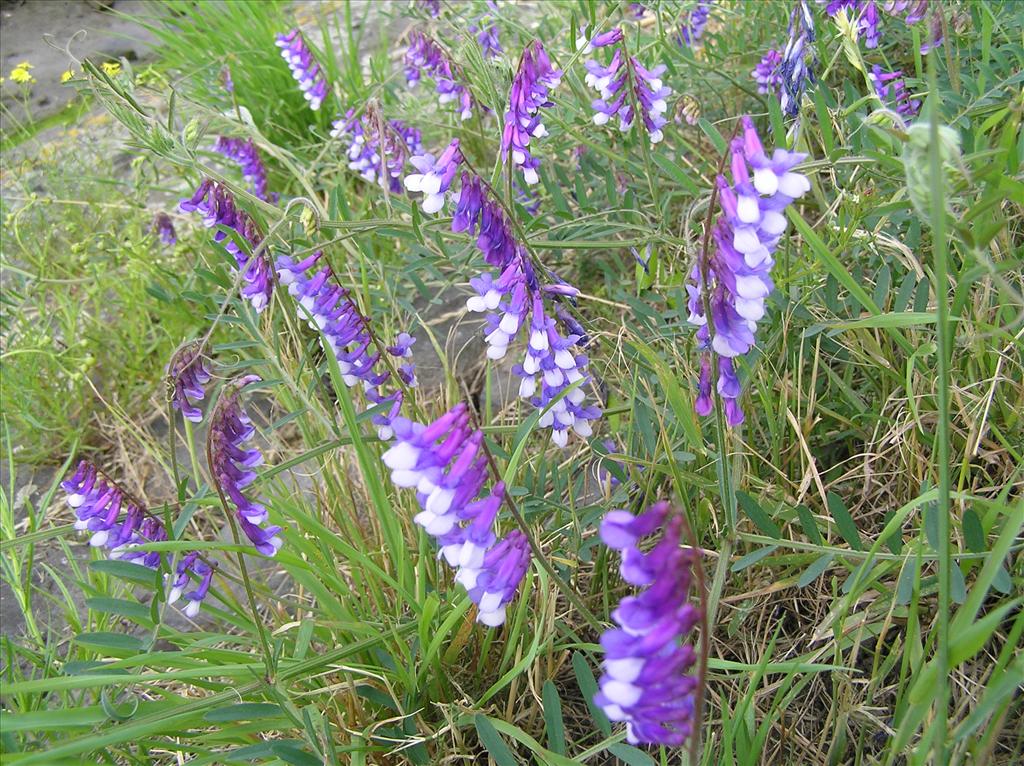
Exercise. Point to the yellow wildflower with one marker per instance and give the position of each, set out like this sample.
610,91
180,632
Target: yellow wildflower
67,76
21,76
112,68
24,65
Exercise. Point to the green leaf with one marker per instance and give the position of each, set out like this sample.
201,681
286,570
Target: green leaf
245,711
753,557
588,687
844,521
126,570
107,640
119,606
758,515
553,726
630,755
493,742
814,570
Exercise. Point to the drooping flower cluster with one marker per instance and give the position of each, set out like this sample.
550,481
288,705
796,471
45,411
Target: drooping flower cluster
798,59
187,374
345,333
231,464
891,86
768,73
736,278
515,300
425,56
435,176
164,228
305,69
693,26
647,680
531,86
446,464
121,524
625,84
914,11
369,137
432,7
245,153
218,209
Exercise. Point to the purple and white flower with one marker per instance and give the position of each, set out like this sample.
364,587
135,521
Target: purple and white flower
164,228
425,56
435,176
736,278
245,153
218,208
188,374
531,88
799,59
625,84
890,86
768,73
693,25
647,681
446,463
305,69
366,145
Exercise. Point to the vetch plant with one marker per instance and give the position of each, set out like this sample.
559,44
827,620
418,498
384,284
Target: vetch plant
304,66
647,681
531,87
732,280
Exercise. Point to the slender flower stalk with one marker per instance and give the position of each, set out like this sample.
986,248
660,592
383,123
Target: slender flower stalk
735,280
447,465
373,141
121,524
647,680
218,208
187,374
245,153
425,56
798,59
231,464
531,87
625,86
305,69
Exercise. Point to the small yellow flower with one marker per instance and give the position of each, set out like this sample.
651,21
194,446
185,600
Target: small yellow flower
67,76
24,65
112,68
21,76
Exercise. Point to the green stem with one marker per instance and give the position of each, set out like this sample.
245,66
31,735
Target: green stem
941,288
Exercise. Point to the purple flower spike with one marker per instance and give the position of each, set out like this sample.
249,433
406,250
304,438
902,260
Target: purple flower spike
305,69
601,40
531,88
164,228
614,83
798,59
892,84
425,56
188,374
366,144
693,26
445,462
218,208
736,278
245,153
435,176
647,681
122,524
767,74
231,463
